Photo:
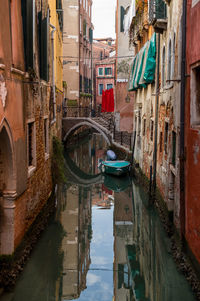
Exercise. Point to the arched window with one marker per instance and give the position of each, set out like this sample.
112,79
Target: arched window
163,67
169,73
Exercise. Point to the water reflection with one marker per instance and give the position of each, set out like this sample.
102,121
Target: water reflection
104,242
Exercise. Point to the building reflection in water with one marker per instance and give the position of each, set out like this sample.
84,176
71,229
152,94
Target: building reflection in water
75,217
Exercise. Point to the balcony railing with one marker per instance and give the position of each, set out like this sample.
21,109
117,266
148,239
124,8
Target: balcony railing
157,10
158,15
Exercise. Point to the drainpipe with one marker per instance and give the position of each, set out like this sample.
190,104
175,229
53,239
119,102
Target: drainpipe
182,123
156,119
53,73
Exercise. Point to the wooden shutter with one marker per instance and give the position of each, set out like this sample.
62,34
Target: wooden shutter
122,13
28,15
44,57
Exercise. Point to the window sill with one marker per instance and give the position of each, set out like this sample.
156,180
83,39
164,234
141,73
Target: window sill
31,170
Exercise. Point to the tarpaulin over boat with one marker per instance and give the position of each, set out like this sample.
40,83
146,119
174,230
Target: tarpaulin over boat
144,66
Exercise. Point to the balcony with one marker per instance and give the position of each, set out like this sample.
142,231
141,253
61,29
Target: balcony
140,22
158,15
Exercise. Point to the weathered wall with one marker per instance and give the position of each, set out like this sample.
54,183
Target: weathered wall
124,105
192,142
71,48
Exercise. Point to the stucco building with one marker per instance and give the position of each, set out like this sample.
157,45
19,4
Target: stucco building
124,55
29,115
77,50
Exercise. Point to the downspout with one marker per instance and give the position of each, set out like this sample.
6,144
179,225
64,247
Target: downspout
156,119
53,73
182,123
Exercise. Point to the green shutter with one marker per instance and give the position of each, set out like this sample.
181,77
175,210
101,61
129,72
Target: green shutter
91,35
28,15
161,10
44,61
106,71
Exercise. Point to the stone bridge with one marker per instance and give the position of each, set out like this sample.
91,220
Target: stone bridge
70,124
103,123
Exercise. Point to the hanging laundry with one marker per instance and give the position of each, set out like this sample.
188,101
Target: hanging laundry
107,101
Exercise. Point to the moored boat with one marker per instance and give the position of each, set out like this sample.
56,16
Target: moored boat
116,168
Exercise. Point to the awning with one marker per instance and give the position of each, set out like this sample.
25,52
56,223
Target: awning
144,66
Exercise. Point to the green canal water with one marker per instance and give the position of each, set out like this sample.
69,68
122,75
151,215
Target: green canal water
104,242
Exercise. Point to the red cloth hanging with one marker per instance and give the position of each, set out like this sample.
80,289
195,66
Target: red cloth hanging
111,101
107,101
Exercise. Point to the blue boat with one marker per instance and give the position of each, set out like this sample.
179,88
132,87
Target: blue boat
116,168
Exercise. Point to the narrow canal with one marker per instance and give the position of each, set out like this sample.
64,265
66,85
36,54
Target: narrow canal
103,243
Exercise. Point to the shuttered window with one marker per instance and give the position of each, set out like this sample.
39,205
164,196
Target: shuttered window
122,14
28,15
43,33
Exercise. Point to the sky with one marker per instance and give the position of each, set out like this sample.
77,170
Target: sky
103,18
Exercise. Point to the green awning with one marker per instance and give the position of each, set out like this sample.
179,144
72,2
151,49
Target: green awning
144,66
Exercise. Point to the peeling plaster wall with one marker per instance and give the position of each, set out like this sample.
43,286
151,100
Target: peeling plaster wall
169,111
192,131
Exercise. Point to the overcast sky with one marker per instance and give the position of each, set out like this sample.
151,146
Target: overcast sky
103,18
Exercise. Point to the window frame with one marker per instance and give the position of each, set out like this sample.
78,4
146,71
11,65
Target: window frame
99,89
99,71
46,137
106,70
32,166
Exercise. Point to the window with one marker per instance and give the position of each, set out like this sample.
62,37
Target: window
28,16
108,71
144,127
163,67
84,28
109,86
161,141
80,24
101,55
46,136
166,137
100,89
169,61
122,14
80,83
151,129
195,99
100,71
174,148
31,147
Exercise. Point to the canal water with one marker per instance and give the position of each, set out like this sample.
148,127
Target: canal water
104,242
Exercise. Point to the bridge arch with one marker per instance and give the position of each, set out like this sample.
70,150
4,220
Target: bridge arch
89,124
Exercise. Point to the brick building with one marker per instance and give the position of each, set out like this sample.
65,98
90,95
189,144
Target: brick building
105,77
102,49
77,50
29,120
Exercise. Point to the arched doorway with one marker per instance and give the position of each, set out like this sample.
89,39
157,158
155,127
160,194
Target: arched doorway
7,191
6,163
